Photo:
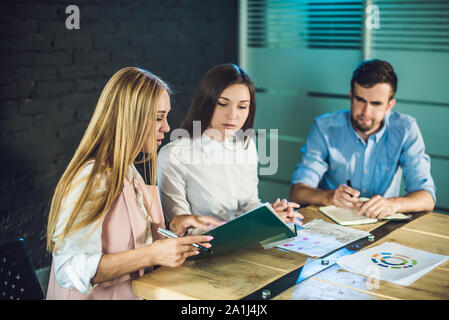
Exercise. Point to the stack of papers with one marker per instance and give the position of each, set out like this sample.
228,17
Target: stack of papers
392,262
321,238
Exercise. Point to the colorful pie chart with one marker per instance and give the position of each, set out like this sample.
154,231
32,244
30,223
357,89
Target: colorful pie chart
393,261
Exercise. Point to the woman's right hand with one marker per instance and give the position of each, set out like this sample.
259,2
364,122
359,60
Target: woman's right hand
173,252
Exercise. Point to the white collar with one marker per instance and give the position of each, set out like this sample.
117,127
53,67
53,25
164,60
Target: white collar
209,145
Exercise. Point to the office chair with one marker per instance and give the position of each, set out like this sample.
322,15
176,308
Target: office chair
18,280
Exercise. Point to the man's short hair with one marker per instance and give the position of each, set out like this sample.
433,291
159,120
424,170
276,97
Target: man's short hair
371,72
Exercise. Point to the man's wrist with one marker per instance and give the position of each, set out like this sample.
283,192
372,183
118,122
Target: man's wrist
396,204
328,197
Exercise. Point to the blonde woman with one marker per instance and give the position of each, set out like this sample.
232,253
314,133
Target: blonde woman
102,226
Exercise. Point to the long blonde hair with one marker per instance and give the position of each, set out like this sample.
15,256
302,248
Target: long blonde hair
124,117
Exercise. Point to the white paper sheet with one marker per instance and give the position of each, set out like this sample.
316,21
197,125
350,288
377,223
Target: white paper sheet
320,238
392,262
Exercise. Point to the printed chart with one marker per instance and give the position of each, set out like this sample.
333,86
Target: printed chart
311,244
393,262
321,238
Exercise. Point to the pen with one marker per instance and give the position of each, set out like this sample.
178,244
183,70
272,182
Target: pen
170,234
348,183
297,226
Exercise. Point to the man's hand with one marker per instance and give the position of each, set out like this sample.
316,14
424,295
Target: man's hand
378,207
344,197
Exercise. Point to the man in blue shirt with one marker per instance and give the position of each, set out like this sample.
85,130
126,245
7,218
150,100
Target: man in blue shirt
365,151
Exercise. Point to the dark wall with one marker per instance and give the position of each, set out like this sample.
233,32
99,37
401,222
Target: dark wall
51,78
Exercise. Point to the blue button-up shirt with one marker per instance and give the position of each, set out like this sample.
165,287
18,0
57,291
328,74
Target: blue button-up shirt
335,153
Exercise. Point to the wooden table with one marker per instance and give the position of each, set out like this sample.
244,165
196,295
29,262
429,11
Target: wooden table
239,274
429,232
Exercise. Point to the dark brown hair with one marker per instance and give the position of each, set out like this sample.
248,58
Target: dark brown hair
205,99
371,72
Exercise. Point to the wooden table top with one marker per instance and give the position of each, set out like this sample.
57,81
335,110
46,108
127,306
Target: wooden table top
429,232
238,274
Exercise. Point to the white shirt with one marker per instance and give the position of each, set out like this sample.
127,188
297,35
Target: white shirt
76,261
204,177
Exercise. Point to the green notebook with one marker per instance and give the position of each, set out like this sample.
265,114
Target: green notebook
258,226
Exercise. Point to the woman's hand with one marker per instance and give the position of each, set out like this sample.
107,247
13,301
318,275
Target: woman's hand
173,252
181,223
286,211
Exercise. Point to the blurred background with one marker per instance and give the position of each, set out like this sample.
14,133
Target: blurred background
300,54
51,78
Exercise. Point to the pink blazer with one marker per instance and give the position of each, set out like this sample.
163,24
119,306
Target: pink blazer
123,229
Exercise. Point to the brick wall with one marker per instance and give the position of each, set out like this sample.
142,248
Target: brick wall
51,78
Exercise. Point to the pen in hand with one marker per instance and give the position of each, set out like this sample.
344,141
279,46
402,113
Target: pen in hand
170,234
348,183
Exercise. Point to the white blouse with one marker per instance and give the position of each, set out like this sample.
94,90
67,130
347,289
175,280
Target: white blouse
204,177
76,260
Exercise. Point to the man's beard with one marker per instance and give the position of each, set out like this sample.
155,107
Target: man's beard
363,127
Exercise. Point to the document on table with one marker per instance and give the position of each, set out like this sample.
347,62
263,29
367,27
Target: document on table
321,238
392,262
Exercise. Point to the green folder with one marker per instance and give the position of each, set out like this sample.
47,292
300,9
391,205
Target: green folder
258,226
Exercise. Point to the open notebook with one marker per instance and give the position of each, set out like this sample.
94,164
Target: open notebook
349,217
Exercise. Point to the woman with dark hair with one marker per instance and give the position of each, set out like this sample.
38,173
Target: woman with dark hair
211,168
210,89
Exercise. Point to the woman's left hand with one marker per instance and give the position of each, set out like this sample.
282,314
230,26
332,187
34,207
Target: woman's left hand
181,223
286,210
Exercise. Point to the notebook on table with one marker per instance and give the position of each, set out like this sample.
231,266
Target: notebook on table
349,216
